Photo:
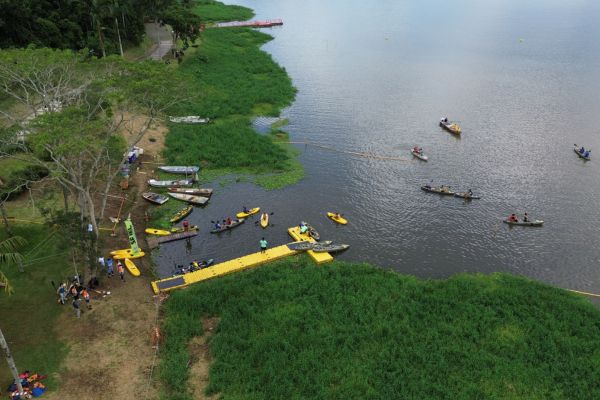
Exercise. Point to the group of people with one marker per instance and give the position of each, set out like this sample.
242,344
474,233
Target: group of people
513,218
418,150
584,152
226,222
77,292
31,384
110,269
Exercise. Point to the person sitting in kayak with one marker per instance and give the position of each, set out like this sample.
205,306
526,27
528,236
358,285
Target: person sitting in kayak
229,221
525,218
582,150
586,154
338,215
418,150
513,218
428,186
218,225
303,228
470,193
445,189
245,210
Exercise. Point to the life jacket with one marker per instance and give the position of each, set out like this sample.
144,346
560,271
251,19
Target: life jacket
85,294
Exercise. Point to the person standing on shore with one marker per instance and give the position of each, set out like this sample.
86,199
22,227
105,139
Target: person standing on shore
121,270
86,296
109,268
76,308
263,245
62,293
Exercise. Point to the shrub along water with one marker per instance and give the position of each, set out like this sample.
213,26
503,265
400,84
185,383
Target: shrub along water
236,81
294,330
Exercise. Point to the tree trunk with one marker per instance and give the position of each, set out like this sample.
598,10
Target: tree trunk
100,39
66,198
119,36
91,212
109,181
10,361
5,219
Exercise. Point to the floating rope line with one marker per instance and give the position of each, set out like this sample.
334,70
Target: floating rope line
355,153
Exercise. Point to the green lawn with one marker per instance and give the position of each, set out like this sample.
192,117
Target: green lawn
293,330
214,11
28,317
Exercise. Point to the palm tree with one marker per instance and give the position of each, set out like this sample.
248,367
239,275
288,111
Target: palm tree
9,255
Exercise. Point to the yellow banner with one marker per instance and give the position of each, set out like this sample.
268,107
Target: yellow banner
135,249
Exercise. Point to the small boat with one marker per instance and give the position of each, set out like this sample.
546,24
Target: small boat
312,232
451,127
439,190
155,198
162,184
181,270
158,232
264,220
228,227
466,196
250,212
181,229
304,246
122,256
131,267
536,222
181,214
337,218
582,155
193,191
330,248
179,169
197,200
419,154
190,119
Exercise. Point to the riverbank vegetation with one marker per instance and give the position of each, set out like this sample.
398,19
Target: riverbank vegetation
215,11
295,330
236,81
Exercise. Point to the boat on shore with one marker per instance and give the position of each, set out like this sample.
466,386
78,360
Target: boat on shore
419,154
181,214
175,183
197,200
157,232
193,191
177,169
190,119
582,155
155,198
224,227
536,222
443,190
451,127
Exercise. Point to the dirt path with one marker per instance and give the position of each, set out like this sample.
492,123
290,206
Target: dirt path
162,38
111,356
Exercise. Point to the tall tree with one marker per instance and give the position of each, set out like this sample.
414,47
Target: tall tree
9,255
10,361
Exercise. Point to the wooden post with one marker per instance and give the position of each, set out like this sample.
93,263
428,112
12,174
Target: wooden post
11,362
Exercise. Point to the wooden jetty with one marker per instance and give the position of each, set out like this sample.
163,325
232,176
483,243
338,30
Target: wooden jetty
154,242
251,24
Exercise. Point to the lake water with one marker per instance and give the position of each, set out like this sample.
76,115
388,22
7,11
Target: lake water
523,79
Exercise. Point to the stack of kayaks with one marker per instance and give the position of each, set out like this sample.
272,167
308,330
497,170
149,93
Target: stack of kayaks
179,169
197,200
264,220
155,198
175,183
126,253
193,191
450,127
335,217
250,212
443,190
181,214
228,227
536,222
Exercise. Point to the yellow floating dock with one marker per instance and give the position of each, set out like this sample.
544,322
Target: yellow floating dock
224,268
319,258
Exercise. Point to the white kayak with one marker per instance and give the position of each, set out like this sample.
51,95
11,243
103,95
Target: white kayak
176,169
175,183
536,222
420,155
198,200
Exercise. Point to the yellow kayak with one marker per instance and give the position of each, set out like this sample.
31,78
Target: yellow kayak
115,252
335,218
159,232
122,256
131,267
252,211
264,220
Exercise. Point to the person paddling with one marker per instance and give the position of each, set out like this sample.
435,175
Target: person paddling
525,218
513,218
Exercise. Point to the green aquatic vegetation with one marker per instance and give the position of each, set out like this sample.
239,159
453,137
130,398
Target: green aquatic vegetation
215,11
295,330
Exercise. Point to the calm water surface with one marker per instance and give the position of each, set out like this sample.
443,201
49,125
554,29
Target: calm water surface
522,78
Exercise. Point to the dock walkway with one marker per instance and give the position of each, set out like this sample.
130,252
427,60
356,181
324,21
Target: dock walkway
156,241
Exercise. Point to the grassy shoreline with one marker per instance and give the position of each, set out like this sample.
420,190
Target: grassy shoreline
295,330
